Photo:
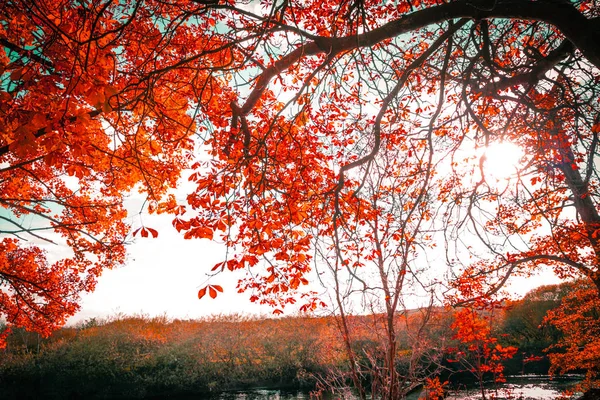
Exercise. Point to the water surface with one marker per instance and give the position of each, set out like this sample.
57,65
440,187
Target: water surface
522,387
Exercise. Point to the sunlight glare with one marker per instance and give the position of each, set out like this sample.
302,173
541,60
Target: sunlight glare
502,160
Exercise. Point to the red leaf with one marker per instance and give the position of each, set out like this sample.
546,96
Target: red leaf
212,292
202,293
219,265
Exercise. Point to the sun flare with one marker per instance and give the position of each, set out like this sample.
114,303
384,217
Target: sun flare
501,160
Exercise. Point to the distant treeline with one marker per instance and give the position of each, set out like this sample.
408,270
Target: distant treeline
139,357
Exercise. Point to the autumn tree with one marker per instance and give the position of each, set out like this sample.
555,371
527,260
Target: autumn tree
479,351
334,90
321,92
372,260
302,107
578,319
92,108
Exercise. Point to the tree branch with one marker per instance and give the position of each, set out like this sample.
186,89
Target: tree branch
578,29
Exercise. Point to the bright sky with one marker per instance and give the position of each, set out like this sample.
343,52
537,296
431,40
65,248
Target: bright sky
163,275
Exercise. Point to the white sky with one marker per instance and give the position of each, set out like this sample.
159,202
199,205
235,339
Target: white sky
163,275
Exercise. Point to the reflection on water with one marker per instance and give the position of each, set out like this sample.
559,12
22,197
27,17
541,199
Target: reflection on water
524,387
264,395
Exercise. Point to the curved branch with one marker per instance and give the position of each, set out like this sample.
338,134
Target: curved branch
578,29
511,267
388,99
536,73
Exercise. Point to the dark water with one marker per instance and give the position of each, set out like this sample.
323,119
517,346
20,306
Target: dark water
524,387
264,394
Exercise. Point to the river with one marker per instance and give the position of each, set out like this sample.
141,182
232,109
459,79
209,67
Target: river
522,387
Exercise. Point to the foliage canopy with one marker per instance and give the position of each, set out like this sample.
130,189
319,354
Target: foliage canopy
344,132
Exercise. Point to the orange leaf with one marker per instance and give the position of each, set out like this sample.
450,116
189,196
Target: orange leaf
155,148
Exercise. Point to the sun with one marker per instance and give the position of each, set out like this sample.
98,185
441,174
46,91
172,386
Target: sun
501,161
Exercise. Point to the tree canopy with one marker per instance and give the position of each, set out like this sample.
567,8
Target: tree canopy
336,133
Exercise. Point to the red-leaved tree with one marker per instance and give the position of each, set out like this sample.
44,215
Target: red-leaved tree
299,104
